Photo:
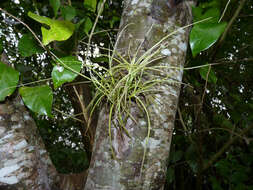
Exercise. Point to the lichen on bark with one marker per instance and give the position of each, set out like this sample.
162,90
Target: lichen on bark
24,162
142,27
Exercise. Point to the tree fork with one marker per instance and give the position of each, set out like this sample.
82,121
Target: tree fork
143,23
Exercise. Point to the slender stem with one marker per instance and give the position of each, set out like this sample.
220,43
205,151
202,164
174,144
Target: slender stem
223,13
93,28
242,2
84,110
184,126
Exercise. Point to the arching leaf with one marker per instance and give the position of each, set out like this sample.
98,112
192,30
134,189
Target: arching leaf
39,99
61,73
205,34
60,30
28,46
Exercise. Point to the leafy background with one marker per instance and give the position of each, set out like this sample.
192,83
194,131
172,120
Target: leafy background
212,144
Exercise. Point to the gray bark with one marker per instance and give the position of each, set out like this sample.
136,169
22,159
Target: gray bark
148,22
24,161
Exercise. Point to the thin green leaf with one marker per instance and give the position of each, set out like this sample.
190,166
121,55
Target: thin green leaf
8,80
39,99
59,30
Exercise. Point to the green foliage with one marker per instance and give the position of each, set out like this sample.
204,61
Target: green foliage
38,99
234,173
55,4
90,5
215,183
204,72
226,110
8,80
66,70
38,67
204,35
87,25
114,20
59,30
28,46
99,6
66,158
176,156
170,177
68,12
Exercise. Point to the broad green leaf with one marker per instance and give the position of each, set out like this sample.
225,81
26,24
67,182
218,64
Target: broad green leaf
8,80
87,25
90,4
55,4
68,12
211,77
61,73
39,99
204,35
59,30
28,46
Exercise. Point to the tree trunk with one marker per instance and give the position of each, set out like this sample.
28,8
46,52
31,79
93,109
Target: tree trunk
24,161
143,22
